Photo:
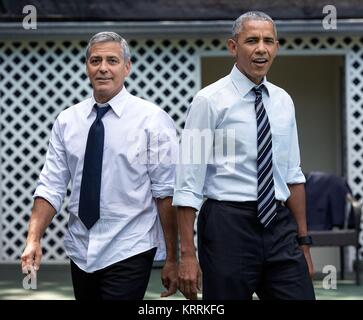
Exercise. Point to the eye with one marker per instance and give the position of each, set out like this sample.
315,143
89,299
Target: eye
94,61
251,40
113,61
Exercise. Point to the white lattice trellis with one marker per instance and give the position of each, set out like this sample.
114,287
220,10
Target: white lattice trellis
41,78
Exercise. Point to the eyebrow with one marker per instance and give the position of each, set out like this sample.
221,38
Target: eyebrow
256,37
107,57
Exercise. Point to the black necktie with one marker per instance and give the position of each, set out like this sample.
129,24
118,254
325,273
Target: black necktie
266,204
89,198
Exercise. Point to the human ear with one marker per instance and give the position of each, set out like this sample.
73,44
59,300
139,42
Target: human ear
232,47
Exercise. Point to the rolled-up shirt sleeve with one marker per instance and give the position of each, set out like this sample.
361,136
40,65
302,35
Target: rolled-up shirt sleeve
55,175
162,155
196,144
294,173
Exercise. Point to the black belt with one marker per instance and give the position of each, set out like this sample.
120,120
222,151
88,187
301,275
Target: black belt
245,203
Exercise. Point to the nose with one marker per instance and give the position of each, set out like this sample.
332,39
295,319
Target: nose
103,66
261,47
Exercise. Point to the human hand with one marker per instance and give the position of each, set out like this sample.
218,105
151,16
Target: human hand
190,277
169,278
31,257
309,261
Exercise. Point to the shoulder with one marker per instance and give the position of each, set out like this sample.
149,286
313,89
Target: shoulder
73,111
279,93
215,89
150,112
146,106
213,97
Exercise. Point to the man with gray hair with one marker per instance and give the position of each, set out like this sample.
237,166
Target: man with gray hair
120,211
252,233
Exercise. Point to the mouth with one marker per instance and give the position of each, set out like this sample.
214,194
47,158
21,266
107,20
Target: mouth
260,61
103,79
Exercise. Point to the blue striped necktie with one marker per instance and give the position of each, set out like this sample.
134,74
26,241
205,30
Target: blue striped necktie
89,198
266,204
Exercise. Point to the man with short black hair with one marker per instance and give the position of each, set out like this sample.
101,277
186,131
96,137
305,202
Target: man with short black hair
252,234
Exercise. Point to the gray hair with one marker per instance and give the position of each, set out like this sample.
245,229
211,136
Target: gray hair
251,15
108,36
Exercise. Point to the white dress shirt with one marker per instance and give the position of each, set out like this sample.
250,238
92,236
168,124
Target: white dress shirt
129,222
228,105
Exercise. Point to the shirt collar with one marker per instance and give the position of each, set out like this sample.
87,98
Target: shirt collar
117,103
245,85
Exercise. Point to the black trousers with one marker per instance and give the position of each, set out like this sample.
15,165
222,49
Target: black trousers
124,280
239,257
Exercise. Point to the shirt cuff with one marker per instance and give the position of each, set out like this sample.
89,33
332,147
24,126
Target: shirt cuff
186,198
42,192
161,191
295,176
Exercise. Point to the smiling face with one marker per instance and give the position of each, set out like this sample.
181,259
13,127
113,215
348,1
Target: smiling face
107,70
254,49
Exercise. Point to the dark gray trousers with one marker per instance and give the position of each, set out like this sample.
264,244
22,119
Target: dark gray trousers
239,257
124,280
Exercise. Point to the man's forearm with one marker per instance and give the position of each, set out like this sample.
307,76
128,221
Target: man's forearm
168,219
186,218
42,215
297,205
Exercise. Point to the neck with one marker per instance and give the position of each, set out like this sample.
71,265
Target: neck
257,80
103,98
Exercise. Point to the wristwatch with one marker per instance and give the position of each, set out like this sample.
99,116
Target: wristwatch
304,240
